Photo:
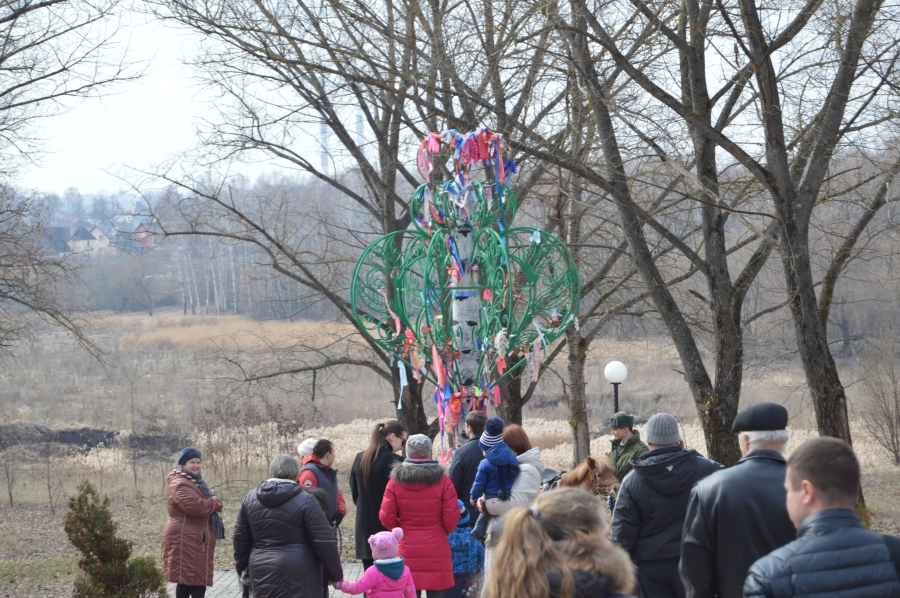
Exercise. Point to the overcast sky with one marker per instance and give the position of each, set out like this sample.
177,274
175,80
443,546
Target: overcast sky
143,124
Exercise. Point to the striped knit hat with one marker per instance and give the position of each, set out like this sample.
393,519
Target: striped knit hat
493,433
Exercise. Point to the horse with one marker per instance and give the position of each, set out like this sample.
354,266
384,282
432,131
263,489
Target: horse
596,475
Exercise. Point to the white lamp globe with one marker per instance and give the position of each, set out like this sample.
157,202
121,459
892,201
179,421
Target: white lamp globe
615,372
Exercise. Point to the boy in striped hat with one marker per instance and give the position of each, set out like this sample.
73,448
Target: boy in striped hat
496,473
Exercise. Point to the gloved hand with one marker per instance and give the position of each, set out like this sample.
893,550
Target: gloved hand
245,578
337,520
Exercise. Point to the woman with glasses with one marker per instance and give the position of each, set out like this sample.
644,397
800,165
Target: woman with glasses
368,479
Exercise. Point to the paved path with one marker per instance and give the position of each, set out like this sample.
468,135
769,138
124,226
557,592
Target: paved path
225,583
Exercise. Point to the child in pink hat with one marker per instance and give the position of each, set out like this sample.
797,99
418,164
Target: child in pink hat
389,577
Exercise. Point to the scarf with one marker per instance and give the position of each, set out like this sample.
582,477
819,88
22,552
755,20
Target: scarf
420,462
215,520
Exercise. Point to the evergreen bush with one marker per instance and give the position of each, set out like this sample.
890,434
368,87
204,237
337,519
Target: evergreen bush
105,556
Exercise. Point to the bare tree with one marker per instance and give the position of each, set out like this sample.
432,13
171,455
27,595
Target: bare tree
335,64
796,161
33,280
10,457
52,51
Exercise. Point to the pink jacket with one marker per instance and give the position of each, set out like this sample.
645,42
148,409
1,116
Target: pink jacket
378,585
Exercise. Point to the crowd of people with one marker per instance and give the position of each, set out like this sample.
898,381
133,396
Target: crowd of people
682,525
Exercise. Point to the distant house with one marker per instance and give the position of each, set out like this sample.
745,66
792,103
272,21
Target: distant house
135,237
82,241
68,239
146,235
103,235
58,248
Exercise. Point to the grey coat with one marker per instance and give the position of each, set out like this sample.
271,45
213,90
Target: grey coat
283,537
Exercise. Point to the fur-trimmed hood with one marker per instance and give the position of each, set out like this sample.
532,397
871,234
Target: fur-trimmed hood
417,473
601,557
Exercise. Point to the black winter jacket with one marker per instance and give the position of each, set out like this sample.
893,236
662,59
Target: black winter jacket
653,499
462,473
833,555
283,536
587,585
734,517
368,500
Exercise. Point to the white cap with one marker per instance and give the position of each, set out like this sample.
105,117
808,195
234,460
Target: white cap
305,448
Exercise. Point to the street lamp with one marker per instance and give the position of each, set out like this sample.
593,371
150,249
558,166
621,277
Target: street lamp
615,373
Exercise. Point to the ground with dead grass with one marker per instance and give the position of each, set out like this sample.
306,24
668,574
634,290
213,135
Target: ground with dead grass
167,377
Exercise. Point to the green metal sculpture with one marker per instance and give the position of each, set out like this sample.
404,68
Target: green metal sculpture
460,291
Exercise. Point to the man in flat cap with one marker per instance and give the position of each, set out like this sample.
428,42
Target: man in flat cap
626,443
738,515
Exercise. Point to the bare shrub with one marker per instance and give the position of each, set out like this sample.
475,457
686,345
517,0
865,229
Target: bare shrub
10,457
880,377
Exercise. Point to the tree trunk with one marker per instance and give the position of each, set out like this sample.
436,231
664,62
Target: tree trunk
192,282
234,291
465,313
511,399
183,281
825,386
412,414
578,419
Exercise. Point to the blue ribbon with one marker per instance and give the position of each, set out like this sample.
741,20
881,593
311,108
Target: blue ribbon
403,382
462,269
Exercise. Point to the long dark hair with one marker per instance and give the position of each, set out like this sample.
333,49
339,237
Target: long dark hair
377,440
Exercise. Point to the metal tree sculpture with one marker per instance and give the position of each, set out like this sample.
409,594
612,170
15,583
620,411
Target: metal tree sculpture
459,292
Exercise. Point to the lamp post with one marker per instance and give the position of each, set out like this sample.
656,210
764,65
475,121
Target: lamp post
615,373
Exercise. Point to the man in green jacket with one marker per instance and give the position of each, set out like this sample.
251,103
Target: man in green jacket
627,445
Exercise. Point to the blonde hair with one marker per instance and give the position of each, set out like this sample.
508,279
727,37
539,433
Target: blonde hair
564,531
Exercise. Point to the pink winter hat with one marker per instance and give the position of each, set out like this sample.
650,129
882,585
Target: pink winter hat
384,544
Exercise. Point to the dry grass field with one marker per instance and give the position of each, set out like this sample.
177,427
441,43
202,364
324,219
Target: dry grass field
169,369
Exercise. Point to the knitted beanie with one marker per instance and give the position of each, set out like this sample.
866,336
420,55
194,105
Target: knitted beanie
493,433
463,513
187,454
385,544
418,446
305,448
662,430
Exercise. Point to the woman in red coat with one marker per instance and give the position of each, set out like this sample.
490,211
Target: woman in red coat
189,537
421,500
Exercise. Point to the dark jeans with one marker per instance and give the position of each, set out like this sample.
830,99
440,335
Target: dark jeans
465,586
183,591
660,579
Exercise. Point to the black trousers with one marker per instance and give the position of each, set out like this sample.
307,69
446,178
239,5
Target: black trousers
660,579
183,591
